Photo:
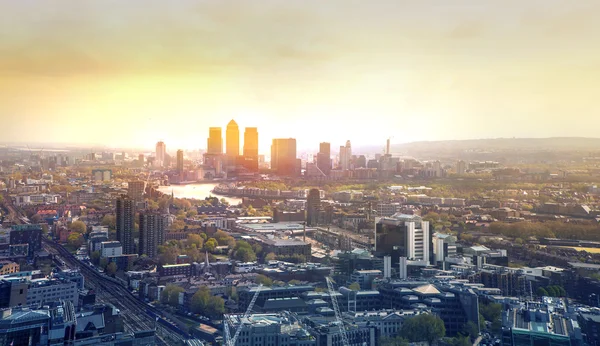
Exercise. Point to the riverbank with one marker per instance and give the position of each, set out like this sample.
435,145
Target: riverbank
197,191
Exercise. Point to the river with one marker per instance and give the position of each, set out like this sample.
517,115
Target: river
196,191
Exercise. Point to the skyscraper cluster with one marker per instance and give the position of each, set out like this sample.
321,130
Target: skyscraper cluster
152,227
231,161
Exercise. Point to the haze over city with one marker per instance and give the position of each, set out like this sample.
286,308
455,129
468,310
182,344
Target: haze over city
127,74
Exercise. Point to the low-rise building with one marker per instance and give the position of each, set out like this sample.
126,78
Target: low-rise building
111,249
8,267
175,269
44,291
281,329
545,323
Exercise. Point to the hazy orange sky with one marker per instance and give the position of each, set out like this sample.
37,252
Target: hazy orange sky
128,73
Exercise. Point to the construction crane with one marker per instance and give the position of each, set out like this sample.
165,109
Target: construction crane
229,341
336,309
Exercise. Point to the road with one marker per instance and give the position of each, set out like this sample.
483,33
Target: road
134,311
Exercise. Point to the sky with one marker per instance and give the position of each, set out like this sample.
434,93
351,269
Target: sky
129,73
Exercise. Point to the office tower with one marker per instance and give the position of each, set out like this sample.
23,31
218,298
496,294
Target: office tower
180,162
313,204
283,157
232,135
437,169
361,162
324,158
251,142
141,158
215,141
161,151
135,190
387,147
250,158
125,223
461,167
345,156
152,233
403,236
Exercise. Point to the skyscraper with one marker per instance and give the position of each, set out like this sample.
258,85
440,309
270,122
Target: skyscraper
324,158
232,139
251,142
215,141
135,190
345,156
283,157
161,151
403,236
313,204
152,233
461,167
180,162
125,223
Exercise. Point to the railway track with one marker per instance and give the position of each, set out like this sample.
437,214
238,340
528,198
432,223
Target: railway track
135,312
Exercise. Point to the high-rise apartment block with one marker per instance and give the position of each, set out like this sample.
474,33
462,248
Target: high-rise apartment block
152,233
161,153
283,157
313,205
135,190
461,167
125,223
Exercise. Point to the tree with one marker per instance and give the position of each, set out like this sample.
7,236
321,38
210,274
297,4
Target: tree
216,307
423,327
224,239
36,218
210,245
460,340
492,312
355,286
103,262
78,226
195,239
75,240
552,291
257,249
471,329
244,252
245,255
294,282
541,292
270,256
203,302
397,341
111,268
265,280
167,254
199,300
191,213
95,257
170,295
519,241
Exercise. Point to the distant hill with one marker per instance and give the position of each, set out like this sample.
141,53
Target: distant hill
542,144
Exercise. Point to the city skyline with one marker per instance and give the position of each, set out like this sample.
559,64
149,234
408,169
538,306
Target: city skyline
466,70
